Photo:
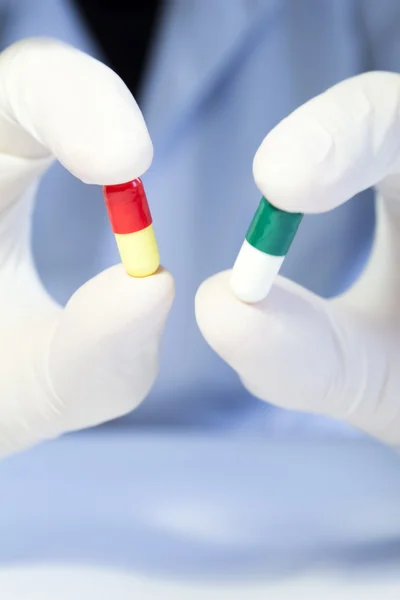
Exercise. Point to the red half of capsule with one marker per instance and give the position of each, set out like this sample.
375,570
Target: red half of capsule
127,206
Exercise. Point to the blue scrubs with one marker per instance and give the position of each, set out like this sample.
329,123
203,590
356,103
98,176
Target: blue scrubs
221,75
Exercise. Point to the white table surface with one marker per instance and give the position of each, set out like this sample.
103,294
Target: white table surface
121,515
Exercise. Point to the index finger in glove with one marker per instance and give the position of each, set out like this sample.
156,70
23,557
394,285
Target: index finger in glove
334,146
56,100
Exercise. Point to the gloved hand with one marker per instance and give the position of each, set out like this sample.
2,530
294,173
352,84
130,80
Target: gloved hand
296,350
68,369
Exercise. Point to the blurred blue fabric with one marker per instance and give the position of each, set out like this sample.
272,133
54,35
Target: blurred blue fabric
222,74
183,504
200,507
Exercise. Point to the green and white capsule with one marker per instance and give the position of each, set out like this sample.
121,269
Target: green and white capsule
261,256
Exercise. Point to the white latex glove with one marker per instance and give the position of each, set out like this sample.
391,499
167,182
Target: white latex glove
97,359
340,357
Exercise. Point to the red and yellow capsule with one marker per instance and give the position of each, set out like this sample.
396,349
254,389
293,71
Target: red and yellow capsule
132,225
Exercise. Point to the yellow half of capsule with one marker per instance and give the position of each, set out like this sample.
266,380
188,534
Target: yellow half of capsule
139,252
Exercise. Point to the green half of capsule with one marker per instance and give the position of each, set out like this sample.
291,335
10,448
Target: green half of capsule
272,230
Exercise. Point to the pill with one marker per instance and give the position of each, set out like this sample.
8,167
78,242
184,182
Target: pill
267,242
132,225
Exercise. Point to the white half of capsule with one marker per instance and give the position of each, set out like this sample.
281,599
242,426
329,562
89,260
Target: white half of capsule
254,273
